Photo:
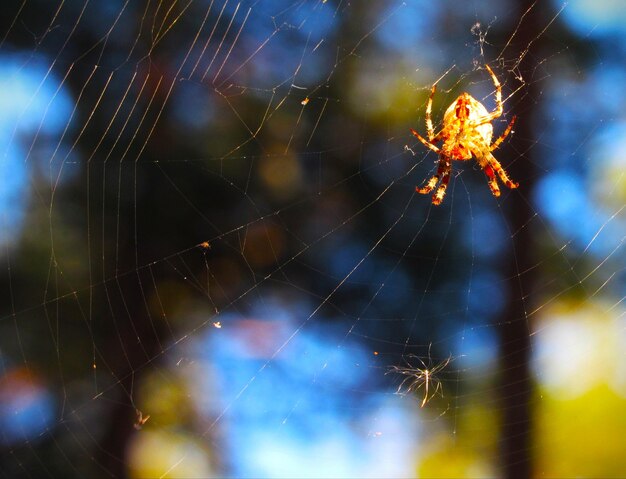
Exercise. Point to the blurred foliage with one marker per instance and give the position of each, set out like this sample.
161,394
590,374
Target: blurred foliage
582,437
276,198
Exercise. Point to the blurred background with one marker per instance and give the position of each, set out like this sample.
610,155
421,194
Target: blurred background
212,254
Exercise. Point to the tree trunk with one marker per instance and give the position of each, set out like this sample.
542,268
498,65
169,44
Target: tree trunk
516,386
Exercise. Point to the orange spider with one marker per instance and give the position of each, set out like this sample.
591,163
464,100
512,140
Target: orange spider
466,131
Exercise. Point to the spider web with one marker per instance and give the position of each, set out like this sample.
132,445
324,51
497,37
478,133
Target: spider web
214,257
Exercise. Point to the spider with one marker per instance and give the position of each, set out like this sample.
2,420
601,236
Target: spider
417,377
466,131
141,419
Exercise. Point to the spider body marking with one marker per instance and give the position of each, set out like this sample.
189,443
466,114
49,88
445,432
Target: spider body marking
466,132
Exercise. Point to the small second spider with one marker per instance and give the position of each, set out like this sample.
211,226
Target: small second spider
466,132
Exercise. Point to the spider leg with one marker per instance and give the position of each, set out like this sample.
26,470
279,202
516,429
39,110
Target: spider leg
497,143
491,180
422,362
429,109
437,137
498,111
401,387
438,389
441,191
425,390
432,182
500,171
424,141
